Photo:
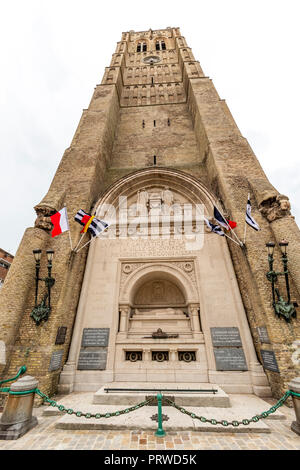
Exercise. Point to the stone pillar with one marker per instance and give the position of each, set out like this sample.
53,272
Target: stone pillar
173,355
146,354
294,386
17,417
124,320
195,322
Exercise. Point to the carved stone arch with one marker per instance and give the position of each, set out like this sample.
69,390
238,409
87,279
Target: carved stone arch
160,270
193,190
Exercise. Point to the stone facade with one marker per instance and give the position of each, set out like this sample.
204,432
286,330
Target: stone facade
155,121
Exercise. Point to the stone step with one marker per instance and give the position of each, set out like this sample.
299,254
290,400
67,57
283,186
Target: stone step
178,392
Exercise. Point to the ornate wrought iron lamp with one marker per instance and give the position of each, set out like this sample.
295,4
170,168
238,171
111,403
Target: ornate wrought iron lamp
42,310
281,307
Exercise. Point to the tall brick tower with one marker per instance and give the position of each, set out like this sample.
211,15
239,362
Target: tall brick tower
156,131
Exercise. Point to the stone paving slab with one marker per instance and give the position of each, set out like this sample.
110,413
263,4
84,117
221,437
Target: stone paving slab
218,399
142,417
45,436
243,406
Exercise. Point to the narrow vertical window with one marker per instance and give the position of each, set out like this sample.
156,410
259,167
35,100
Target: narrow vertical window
154,123
154,160
169,122
143,124
163,45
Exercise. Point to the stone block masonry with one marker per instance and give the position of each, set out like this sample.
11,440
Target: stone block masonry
154,103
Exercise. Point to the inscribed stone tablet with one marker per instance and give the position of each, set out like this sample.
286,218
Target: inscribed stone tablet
263,334
230,359
95,337
55,361
92,360
269,360
61,335
229,336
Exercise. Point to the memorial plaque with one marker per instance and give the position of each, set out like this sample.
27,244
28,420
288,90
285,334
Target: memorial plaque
230,359
61,335
95,337
92,360
269,360
263,334
56,358
227,336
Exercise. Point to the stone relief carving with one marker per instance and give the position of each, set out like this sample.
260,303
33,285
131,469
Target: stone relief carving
159,292
275,207
186,265
43,220
142,202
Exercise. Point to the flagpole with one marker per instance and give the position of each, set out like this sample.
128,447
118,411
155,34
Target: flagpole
79,241
245,230
240,242
65,205
86,244
70,240
232,239
93,238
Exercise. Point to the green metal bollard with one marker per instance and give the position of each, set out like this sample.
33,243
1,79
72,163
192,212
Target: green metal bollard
160,432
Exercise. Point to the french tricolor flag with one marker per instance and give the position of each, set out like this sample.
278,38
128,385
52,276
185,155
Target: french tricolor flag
60,222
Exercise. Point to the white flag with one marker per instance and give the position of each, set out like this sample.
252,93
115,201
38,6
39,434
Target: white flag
249,220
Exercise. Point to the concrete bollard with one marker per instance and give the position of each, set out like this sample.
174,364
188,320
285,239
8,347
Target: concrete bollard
17,417
294,386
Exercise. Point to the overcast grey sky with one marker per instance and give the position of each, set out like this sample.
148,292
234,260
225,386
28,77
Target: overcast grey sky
53,53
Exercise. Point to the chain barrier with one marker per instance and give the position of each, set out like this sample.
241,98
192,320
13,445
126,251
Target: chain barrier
236,423
213,421
80,414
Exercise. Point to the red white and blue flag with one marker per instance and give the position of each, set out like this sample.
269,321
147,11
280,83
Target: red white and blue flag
227,224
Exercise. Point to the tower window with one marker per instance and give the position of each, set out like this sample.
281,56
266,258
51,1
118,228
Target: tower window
169,122
160,45
154,123
154,159
141,47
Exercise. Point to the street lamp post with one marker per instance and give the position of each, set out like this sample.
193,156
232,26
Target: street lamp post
42,310
281,307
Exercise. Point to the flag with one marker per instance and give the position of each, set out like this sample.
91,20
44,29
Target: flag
231,224
96,227
228,224
214,228
60,222
249,220
83,218
90,223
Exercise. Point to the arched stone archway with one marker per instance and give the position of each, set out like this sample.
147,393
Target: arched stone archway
117,268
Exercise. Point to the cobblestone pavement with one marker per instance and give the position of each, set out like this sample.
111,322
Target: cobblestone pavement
46,437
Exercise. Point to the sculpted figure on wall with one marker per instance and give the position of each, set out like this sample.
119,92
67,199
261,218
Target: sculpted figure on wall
43,220
275,207
167,199
142,202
